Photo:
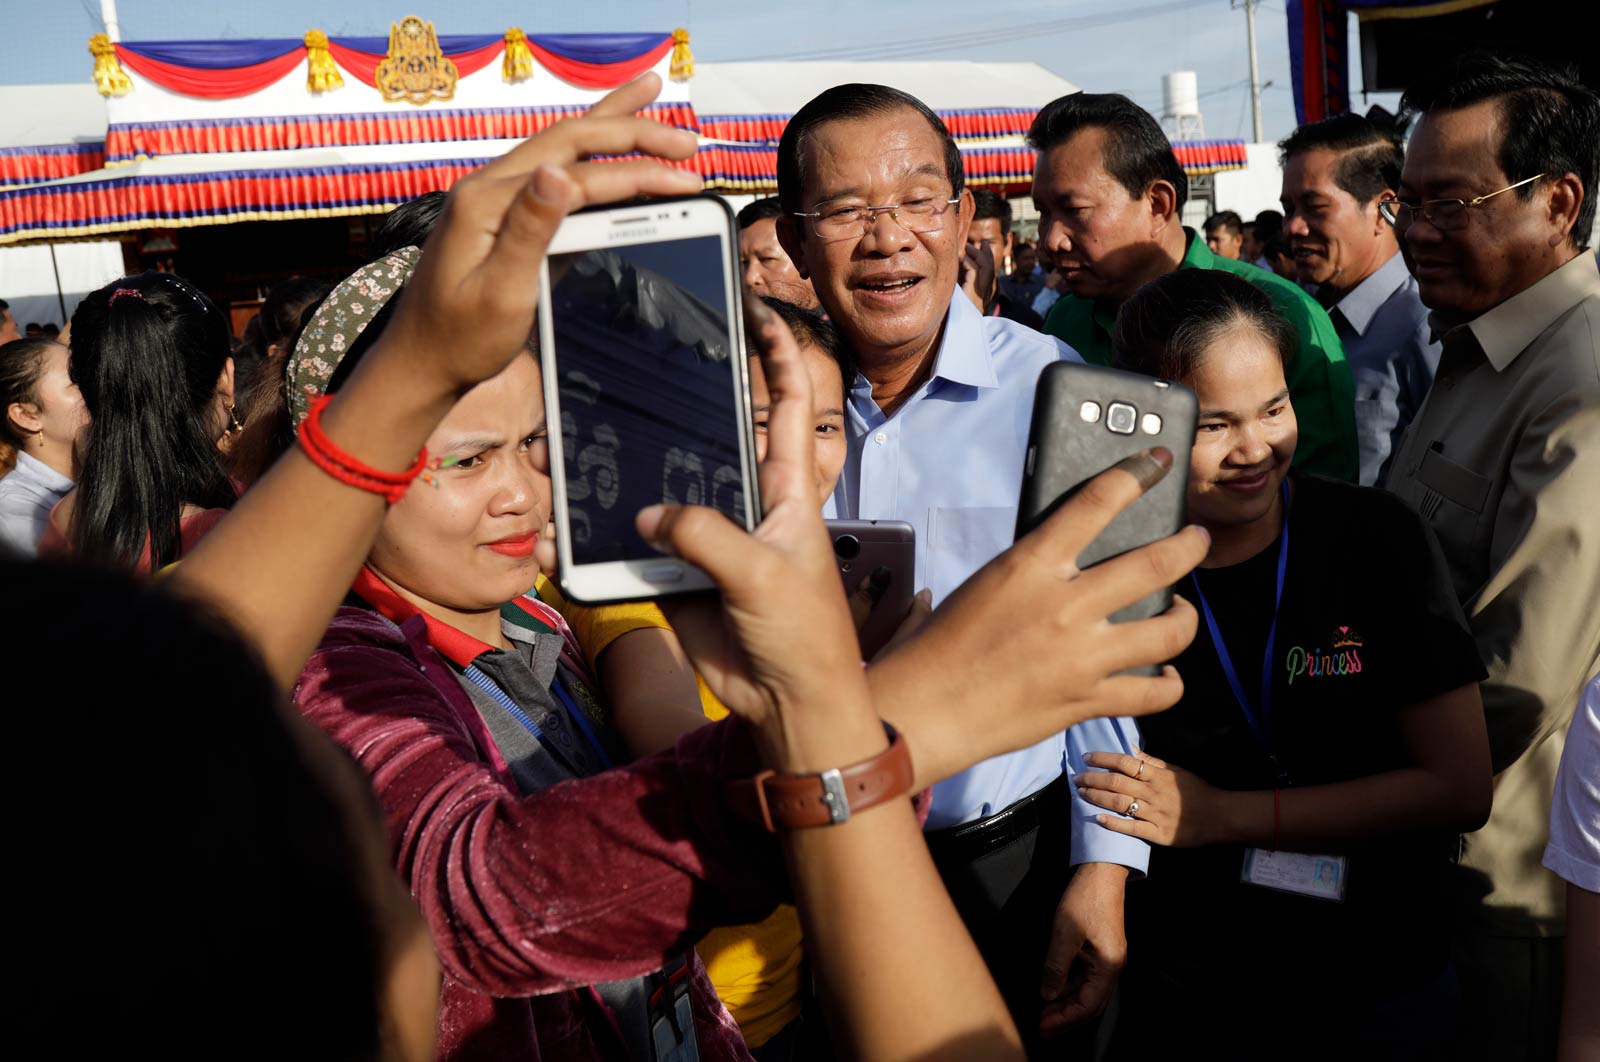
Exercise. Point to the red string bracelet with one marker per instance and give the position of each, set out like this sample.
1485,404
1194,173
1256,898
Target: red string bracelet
1275,820
351,470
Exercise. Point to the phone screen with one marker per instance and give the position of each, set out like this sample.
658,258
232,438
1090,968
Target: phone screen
649,382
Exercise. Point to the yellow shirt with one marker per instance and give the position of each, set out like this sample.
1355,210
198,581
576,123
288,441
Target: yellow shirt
755,968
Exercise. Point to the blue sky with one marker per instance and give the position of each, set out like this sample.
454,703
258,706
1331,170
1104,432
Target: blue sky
47,38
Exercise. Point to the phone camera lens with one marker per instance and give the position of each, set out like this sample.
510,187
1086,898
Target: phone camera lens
1121,418
847,547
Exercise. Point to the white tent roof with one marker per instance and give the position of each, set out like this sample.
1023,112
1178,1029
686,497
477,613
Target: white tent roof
51,114
783,88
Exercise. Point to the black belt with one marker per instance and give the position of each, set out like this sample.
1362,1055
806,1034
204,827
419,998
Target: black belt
973,840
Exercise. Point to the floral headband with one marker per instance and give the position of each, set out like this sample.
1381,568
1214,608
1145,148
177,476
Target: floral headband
339,320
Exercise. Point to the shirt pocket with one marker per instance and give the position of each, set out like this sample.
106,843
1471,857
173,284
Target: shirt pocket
960,541
1452,502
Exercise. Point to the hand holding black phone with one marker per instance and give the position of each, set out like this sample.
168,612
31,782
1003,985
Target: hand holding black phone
1086,419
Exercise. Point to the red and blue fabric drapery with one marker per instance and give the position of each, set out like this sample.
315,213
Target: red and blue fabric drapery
126,141
31,164
225,69
108,202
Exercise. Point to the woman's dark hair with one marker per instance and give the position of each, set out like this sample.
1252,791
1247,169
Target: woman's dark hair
1166,327
812,329
248,352
271,433
285,306
407,225
21,366
207,871
147,352
263,406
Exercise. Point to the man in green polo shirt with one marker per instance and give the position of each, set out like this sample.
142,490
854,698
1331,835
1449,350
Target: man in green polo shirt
1110,194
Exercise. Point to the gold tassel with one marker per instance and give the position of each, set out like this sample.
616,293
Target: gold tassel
109,78
321,73
682,57
517,64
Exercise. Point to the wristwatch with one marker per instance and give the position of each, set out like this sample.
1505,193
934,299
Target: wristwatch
795,801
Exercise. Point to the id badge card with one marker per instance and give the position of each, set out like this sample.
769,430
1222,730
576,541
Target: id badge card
675,1040
1321,877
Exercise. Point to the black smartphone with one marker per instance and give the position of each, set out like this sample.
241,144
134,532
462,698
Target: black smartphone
861,547
1086,419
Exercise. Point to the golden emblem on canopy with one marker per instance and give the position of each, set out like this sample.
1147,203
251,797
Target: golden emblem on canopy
416,70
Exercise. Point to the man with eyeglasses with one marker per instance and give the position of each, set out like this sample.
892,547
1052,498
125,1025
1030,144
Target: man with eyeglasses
1494,213
877,216
1338,174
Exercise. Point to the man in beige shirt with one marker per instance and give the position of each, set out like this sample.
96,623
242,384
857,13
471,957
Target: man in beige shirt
1503,459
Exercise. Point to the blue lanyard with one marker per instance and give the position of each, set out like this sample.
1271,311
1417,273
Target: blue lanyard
578,716
478,678
1260,723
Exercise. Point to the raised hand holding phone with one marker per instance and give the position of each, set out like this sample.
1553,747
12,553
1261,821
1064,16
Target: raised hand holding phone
644,375
282,561
1027,646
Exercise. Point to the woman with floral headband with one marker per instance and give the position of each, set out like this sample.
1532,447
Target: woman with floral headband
474,685
150,355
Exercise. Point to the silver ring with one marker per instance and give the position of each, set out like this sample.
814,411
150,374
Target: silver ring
1140,772
1133,809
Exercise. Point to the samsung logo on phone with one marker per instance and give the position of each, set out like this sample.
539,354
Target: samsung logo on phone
628,234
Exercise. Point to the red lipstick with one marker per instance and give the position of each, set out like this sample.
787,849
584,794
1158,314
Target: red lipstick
515,545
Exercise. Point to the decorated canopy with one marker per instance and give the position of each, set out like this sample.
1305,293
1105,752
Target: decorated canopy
207,132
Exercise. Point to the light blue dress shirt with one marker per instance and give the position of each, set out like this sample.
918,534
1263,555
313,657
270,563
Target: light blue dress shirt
949,462
27,494
1384,329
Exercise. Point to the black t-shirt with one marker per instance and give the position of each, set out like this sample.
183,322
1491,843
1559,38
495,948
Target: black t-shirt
1368,625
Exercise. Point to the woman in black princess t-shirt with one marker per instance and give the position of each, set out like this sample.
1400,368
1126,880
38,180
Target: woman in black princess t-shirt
1309,791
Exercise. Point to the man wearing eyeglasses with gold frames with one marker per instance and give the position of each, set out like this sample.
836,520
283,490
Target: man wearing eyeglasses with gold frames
878,217
1495,209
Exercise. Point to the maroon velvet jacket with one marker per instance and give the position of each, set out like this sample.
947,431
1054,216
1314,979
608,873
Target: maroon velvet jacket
531,898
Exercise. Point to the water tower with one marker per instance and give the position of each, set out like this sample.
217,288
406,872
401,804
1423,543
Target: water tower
1180,104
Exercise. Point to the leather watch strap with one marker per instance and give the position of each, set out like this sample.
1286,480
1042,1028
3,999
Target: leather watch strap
795,801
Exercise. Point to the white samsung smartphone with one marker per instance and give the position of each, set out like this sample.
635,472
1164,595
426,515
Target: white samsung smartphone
642,348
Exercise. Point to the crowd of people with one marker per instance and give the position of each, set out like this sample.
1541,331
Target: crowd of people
353,779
